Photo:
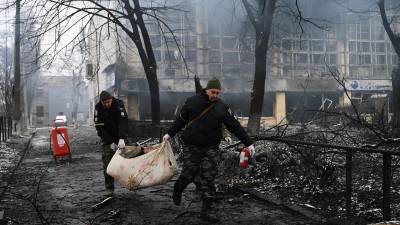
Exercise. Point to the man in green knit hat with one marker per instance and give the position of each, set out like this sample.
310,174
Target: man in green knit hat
111,122
203,116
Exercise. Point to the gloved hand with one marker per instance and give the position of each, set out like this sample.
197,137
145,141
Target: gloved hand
166,137
252,150
113,146
121,143
228,139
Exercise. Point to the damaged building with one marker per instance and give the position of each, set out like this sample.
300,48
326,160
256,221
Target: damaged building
217,40
59,95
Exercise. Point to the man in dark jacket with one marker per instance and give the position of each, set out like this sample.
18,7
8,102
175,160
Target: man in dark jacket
203,116
111,122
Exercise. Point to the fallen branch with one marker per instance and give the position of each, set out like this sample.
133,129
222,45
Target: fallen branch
101,204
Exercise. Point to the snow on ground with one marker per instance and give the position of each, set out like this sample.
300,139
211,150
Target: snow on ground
8,157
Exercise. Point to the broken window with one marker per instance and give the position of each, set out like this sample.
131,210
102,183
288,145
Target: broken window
381,59
247,57
231,57
287,58
317,45
155,41
247,44
246,68
364,71
353,59
333,59
353,71
229,43
190,55
300,58
214,56
287,71
172,40
287,44
365,30
380,71
191,41
172,56
317,71
380,47
318,59
301,71
352,46
364,47
364,59
301,45
214,69
230,69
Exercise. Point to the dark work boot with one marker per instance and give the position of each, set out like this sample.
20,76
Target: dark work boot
109,192
177,195
207,212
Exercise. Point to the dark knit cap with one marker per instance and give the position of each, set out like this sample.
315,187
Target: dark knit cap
213,84
104,95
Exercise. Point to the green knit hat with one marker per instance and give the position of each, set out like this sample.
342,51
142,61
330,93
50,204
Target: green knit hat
104,95
213,84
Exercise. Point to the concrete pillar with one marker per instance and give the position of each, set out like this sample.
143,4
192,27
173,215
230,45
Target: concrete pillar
133,107
343,58
344,100
202,39
276,67
280,107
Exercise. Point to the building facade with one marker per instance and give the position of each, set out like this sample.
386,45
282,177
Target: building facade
214,43
54,96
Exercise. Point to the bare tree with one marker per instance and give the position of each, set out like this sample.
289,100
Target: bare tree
29,67
117,18
389,16
17,69
260,14
6,81
395,40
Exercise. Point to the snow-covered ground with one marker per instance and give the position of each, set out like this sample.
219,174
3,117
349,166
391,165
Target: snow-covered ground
8,157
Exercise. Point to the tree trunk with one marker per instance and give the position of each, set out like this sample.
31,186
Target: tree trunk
17,70
395,39
396,101
151,75
145,50
261,17
74,100
257,95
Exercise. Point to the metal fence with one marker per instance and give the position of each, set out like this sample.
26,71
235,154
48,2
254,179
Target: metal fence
5,128
350,151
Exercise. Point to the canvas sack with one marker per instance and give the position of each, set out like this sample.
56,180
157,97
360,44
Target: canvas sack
156,166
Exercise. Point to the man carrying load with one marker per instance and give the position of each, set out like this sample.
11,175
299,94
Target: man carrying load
202,116
111,122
